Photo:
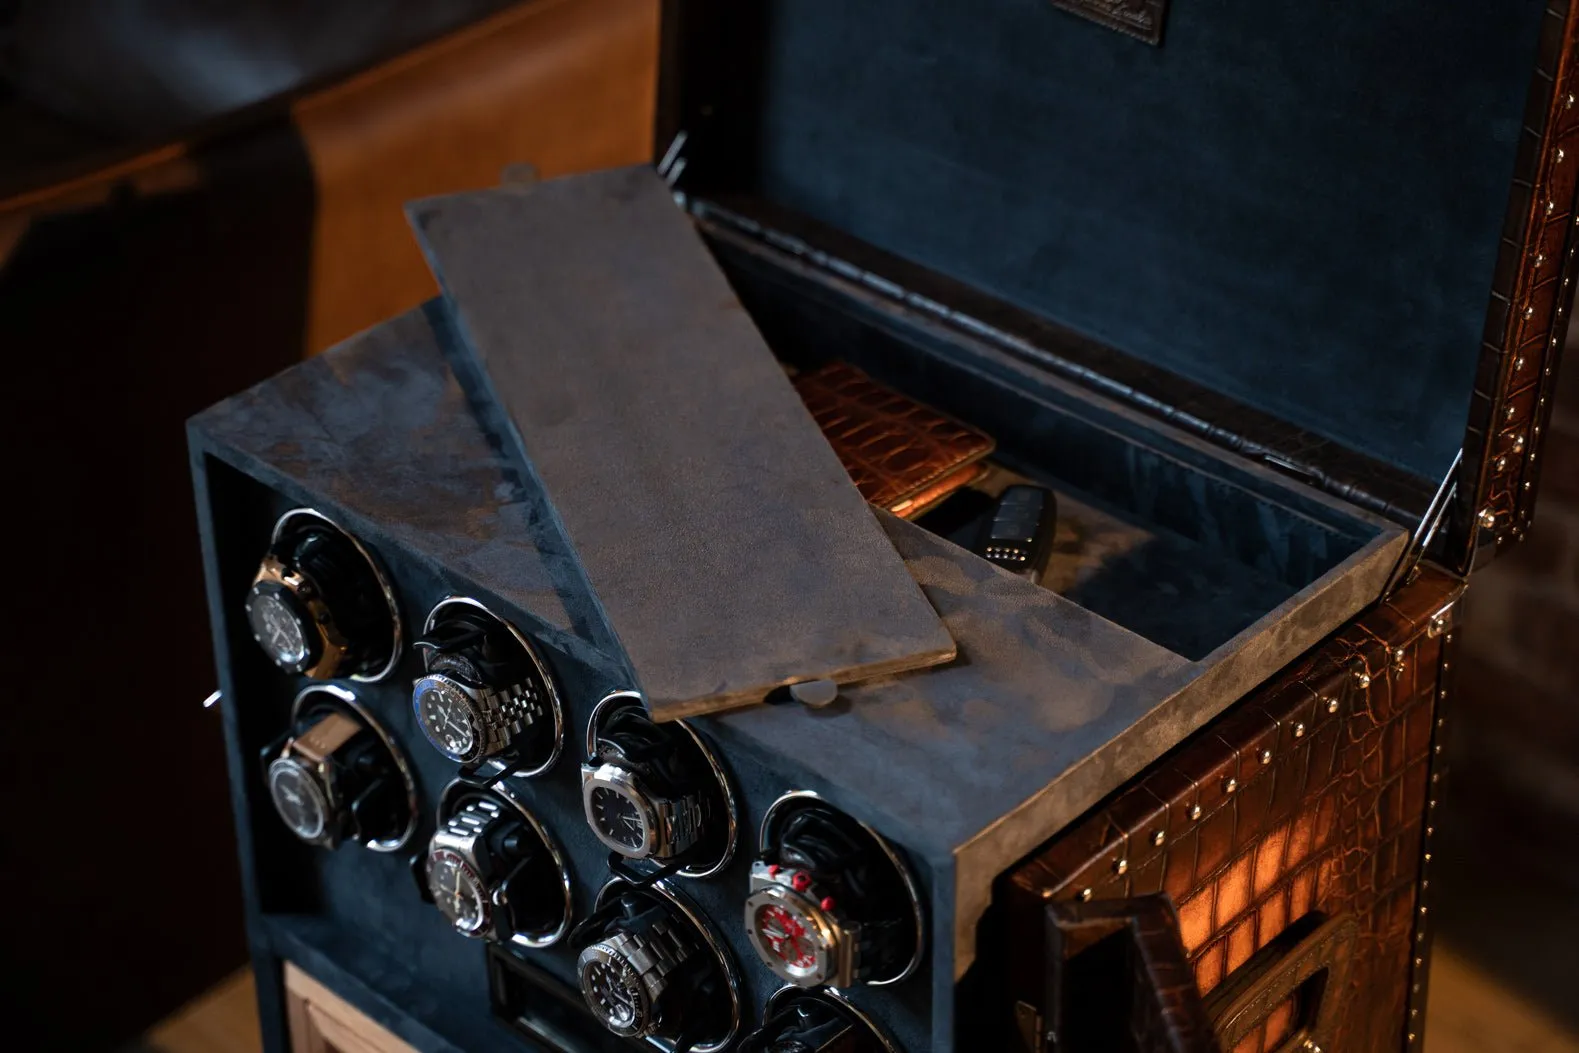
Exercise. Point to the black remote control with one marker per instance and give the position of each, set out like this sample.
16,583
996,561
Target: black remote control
1018,535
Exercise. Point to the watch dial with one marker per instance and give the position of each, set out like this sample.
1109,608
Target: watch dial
618,818
277,629
447,718
614,993
790,939
299,799
457,891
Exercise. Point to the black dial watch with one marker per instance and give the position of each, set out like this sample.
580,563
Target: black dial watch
334,781
493,873
829,903
319,606
647,970
646,791
485,694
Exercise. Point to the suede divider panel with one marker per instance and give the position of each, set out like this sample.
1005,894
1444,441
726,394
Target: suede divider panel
722,539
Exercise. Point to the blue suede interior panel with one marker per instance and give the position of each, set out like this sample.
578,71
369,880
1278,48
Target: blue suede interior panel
1296,204
722,538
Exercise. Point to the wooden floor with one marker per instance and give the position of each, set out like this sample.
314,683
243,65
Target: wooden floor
1470,1013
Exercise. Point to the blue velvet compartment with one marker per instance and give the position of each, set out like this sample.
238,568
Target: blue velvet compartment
1297,205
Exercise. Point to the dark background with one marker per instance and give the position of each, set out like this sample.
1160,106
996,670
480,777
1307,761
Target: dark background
192,199
187,206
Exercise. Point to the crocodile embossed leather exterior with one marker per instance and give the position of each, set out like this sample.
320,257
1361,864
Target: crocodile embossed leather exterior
1531,294
901,455
1309,801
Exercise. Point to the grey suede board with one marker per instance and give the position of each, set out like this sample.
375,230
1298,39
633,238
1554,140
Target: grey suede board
720,536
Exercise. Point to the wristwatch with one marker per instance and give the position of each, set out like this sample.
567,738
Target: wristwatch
318,606
799,930
625,974
460,868
305,786
633,820
467,722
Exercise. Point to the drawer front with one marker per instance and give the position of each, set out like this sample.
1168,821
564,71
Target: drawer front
1308,802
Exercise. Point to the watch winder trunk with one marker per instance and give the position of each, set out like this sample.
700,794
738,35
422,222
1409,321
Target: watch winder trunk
1293,836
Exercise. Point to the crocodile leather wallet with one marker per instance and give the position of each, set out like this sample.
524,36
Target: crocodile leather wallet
902,456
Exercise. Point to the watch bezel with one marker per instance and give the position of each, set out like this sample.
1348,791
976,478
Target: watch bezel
323,796
826,932
344,697
272,582
598,953
625,783
468,696
485,896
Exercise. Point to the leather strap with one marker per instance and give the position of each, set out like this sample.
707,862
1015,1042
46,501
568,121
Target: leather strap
319,742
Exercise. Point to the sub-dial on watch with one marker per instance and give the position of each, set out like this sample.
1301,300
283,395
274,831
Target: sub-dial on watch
319,606
484,696
643,796
828,905
491,874
334,781
646,971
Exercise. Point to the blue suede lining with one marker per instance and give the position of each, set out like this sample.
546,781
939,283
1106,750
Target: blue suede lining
1296,204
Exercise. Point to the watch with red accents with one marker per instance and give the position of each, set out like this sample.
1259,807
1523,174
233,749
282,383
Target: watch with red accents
826,905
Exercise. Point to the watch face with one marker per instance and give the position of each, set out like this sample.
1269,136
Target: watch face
791,941
278,628
618,819
613,991
458,892
299,799
447,717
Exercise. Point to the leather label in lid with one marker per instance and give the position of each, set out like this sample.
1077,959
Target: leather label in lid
1137,18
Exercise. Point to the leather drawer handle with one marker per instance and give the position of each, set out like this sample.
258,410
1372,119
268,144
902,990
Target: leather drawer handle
1277,973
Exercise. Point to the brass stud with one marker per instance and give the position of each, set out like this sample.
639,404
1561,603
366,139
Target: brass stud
1422,910
1085,895
1299,731
1529,312
1121,866
1518,444
1362,678
1430,830
1526,484
1540,259
1230,784
1518,363
1332,705
1508,413
1502,464
1431,804
1195,812
1487,518
1551,206
1419,962
1560,155
1158,838
1435,776
1568,102
1266,756
1428,857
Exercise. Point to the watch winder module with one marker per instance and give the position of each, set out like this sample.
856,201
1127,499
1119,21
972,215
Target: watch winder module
800,1021
649,967
320,604
830,901
486,695
656,791
337,775
494,871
